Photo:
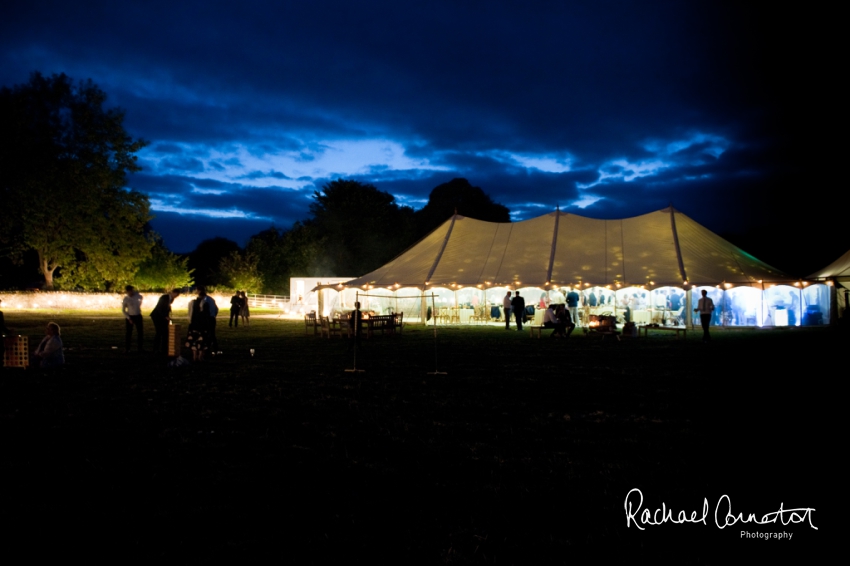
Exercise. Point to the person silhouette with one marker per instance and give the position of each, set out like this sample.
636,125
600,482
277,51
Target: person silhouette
705,308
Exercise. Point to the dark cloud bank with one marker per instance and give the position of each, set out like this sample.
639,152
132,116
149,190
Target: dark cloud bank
621,108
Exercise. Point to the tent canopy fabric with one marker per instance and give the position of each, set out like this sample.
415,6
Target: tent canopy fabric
660,248
838,269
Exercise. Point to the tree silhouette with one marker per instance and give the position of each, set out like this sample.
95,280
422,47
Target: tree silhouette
64,160
458,195
282,255
361,227
206,259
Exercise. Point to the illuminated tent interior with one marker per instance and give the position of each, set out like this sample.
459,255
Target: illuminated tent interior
558,249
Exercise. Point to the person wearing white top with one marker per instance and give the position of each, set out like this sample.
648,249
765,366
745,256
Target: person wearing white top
506,310
705,308
132,309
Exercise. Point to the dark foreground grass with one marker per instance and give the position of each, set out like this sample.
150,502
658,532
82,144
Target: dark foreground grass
522,453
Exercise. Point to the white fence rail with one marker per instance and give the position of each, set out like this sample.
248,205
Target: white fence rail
279,302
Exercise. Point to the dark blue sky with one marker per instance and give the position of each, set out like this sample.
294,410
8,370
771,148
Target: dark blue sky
607,109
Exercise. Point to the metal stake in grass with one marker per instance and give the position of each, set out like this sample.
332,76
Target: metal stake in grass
434,310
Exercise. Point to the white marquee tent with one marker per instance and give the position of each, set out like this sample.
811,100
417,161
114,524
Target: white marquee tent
643,264
660,248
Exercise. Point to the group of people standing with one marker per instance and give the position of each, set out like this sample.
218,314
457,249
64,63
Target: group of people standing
239,308
202,323
203,311
131,306
558,316
513,306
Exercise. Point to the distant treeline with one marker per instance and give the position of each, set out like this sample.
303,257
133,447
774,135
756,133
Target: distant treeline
71,222
353,228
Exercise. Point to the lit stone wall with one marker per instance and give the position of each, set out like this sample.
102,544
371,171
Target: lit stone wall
63,301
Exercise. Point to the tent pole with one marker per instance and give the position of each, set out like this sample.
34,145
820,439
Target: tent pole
616,304
356,314
442,249
554,246
423,307
682,271
433,311
320,301
623,252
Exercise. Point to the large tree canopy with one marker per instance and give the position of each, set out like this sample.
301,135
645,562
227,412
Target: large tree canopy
241,272
163,271
361,227
205,261
458,196
356,228
64,160
285,254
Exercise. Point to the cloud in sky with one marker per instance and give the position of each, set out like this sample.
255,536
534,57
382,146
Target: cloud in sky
606,108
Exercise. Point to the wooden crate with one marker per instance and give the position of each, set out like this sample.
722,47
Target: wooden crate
17,352
174,336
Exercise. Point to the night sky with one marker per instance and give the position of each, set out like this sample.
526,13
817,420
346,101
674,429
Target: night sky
607,109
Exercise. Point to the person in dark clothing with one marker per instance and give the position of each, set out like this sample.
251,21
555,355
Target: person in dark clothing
198,339
50,353
518,308
213,310
246,312
3,333
550,320
161,316
566,320
235,309
705,308
355,322
675,301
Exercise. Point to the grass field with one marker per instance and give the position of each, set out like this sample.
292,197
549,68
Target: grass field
523,452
